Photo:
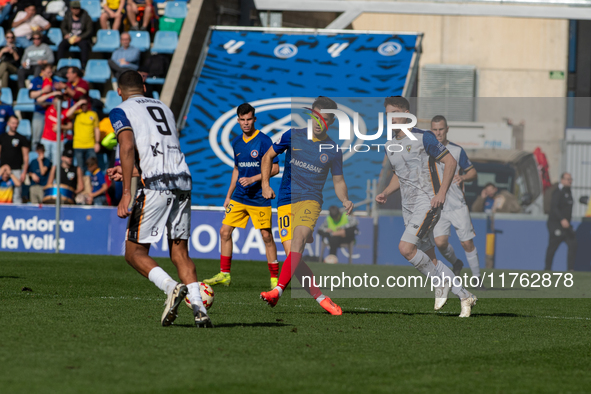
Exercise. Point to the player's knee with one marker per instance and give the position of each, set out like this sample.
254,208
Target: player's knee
267,236
468,246
407,250
441,243
226,233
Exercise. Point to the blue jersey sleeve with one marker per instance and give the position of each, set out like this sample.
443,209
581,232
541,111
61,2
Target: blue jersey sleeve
433,147
119,120
266,144
236,152
284,143
465,163
336,167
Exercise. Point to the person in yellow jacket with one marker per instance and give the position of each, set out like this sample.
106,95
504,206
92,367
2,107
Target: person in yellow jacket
338,229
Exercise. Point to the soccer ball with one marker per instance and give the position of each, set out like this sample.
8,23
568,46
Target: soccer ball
331,259
206,295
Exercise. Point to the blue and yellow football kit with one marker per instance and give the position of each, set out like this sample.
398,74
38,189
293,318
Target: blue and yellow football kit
248,201
307,163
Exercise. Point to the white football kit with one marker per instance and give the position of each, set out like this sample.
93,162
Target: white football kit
163,200
455,211
414,162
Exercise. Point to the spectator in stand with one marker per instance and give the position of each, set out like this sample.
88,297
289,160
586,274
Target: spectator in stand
126,57
26,23
10,56
492,199
87,136
98,195
8,181
49,137
76,88
6,111
40,85
113,11
134,7
35,57
338,229
38,174
6,6
70,175
77,30
14,151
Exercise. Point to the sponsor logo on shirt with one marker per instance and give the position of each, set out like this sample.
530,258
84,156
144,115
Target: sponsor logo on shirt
254,154
248,164
118,125
306,166
323,158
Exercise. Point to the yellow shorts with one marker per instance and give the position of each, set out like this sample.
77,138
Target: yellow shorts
237,215
284,218
305,213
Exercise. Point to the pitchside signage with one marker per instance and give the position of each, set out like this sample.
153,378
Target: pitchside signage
279,71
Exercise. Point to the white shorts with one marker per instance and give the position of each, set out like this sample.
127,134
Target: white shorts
460,219
419,226
154,211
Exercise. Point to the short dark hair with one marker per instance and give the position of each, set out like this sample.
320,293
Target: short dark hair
12,116
131,80
489,184
77,71
324,103
45,66
439,118
244,109
398,102
333,210
91,161
40,147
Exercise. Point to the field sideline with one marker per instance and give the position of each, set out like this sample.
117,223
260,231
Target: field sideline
92,324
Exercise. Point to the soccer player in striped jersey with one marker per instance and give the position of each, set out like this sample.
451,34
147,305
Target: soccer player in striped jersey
307,165
245,198
147,136
423,194
455,211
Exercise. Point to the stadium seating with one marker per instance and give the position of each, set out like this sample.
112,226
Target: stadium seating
93,8
140,40
24,103
24,128
176,9
55,35
7,96
69,62
112,100
165,42
2,38
156,95
155,81
106,41
97,71
94,93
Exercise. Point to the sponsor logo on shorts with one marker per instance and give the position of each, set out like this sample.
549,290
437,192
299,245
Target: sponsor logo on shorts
307,212
262,214
284,232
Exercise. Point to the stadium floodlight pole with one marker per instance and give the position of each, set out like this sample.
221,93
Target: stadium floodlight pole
58,197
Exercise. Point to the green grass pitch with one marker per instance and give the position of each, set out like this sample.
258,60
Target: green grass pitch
92,325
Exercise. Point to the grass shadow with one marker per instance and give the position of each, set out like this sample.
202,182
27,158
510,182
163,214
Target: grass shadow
9,277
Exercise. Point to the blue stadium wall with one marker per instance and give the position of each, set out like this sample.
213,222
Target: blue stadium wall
268,69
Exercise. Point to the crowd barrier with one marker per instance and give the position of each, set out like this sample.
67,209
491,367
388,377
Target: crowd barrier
520,243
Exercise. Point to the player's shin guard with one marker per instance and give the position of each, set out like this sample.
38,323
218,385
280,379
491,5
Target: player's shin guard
225,264
289,266
423,263
446,274
472,258
304,271
449,254
162,280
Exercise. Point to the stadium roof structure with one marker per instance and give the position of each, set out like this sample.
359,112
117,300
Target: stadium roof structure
351,9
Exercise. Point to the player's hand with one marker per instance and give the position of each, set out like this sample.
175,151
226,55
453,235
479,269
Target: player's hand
565,223
458,179
268,192
246,181
381,198
123,208
226,202
97,147
438,200
348,205
115,174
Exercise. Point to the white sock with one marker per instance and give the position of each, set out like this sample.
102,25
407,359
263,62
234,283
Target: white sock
448,275
280,290
423,263
162,280
194,296
449,254
472,258
320,299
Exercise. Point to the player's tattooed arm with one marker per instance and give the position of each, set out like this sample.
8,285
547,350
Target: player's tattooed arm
391,188
267,168
232,187
340,188
448,174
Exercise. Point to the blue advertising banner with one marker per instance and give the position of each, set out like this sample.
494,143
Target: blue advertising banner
274,70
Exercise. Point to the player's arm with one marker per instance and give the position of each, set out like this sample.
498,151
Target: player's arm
439,152
232,187
340,188
124,132
267,168
470,173
115,173
393,186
